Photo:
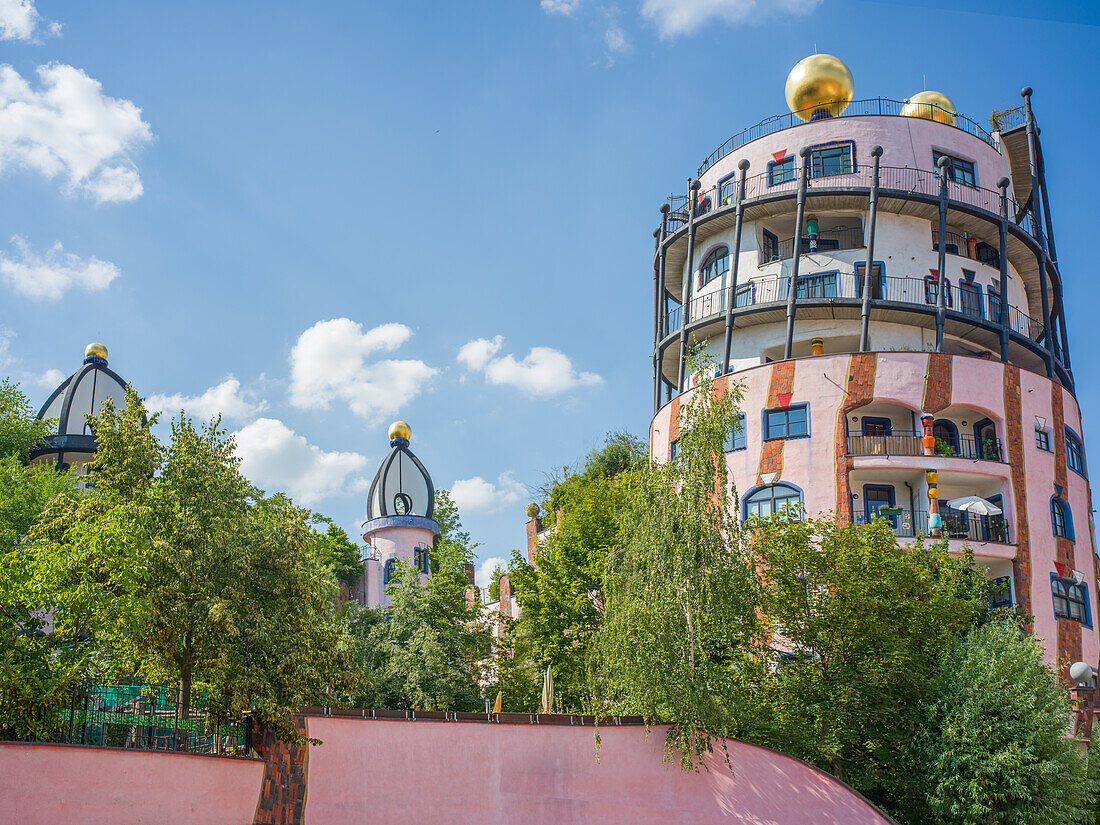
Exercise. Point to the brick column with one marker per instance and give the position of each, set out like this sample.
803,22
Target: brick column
937,383
861,390
781,382
1014,446
1069,631
283,790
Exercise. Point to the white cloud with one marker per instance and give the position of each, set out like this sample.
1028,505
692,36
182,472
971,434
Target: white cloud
275,457
615,39
50,378
225,399
48,277
476,493
677,17
330,363
6,358
20,20
483,577
563,7
542,372
69,128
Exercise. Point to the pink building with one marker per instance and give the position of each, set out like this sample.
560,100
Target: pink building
881,278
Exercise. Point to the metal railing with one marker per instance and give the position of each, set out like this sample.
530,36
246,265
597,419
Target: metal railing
967,246
1005,119
146,717
910,443
828,240
956,525
892,180
845,285
857,108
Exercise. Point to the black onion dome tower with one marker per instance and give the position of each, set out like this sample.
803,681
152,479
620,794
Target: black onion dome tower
401,487
72,445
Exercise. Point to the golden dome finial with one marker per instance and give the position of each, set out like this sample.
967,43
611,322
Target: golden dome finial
819,86
931,106
400,429
95,351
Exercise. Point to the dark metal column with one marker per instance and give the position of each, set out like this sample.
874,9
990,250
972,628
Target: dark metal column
743,165
941,241
865,312
799,215
656,319
1059,298
685,293
1002,184
662,311
1037,225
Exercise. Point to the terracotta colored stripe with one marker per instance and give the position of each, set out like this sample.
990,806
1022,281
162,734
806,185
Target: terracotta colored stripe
283,790
937,383
1069,631
1014,444
781,382
861,391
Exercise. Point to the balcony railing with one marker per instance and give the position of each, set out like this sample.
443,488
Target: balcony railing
967,247
956,525
892,180
970,303
910,443
857,108
828,240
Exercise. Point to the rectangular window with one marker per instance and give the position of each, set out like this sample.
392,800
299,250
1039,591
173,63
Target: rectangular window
962,171
673,448
786,423
1075,454
931,291
737,439
1070,600
727,192
781,171
817,286
831,160
1002,592
876,279
1042,440
770,247
970,297
745,297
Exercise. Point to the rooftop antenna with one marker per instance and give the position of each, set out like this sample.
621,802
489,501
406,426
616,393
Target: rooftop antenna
815,47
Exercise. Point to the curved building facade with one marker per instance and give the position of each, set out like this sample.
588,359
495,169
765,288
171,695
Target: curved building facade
881,278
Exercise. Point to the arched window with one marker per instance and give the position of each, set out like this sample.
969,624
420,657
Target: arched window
1061,518
947,437
716,264
387,570
773,499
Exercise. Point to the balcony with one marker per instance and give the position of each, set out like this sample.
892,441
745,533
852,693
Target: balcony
957,525
910,444
846,288
967,246
828,240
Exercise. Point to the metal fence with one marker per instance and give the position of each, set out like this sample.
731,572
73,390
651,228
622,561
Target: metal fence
857,108
910,443
828,240
147,717
956,525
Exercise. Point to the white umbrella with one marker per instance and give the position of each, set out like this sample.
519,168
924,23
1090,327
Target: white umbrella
974,504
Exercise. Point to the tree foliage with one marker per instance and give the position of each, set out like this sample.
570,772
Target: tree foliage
20,429
341,553
678,602
995,736
561,594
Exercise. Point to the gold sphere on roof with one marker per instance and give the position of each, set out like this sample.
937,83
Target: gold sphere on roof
931,106
400,429
97,350
819,86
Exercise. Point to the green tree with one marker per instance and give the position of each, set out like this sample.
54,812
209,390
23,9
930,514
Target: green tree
856,625
341,553
560,596
494,583
995,738
426,651
178,569
678,608
20,429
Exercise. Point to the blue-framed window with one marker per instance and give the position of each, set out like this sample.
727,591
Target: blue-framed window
703,206
745,295
948,433
962,170
818,285
673,448
781,171
987,254
1002,592
875,498
789,422
775,498
727,190
878,279
1071,600
770,246
420,559
1042,440
1075,453
970,295
993,298
874,425
388,570
737,439
716,264
931,291
1061,518
833,159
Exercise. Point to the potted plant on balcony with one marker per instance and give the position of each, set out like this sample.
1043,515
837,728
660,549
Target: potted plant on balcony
991,450
943,448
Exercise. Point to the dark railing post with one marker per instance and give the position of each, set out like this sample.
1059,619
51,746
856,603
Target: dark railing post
1037,226
743,165
661,311
656,317
1002,184
941,275
865,312
689,276
800,212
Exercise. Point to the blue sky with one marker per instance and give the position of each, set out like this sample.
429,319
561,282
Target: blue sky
302,217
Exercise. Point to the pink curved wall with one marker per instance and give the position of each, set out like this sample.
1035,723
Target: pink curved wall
50,784
492,774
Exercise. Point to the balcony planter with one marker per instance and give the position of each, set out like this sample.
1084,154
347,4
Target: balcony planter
890,511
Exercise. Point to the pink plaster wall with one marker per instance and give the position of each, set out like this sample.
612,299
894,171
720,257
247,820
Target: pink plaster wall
51,784
446,772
